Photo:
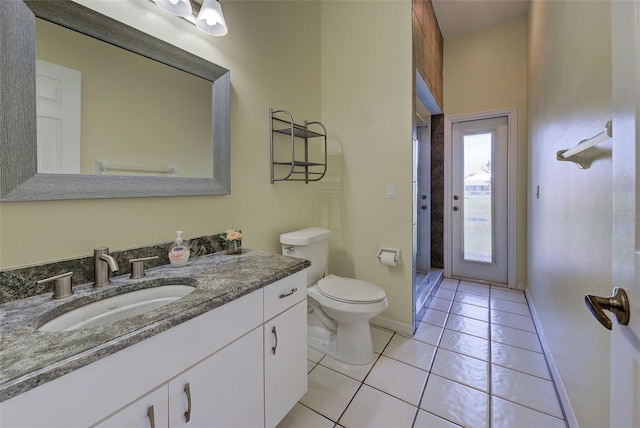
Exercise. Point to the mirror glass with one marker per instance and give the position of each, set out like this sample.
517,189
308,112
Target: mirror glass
191,129
104,110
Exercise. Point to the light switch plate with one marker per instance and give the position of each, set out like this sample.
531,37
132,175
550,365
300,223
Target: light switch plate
391,191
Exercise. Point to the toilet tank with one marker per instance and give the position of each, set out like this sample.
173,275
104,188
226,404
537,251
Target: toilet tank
311,244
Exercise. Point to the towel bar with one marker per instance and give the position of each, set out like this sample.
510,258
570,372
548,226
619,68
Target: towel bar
564,155
102,167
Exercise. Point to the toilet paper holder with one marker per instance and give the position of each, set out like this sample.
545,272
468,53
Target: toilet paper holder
384,253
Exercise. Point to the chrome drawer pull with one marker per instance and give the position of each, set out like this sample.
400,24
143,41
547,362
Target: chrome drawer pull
187,414
275,333
152,418
283,295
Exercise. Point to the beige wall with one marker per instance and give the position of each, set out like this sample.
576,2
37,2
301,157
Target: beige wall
569,225
264,73
487,70
366,106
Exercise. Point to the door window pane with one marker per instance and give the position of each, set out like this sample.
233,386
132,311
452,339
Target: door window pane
477,204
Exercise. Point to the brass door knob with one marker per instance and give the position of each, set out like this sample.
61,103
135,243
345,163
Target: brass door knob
618,304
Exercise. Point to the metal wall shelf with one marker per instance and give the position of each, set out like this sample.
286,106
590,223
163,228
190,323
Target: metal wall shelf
281,122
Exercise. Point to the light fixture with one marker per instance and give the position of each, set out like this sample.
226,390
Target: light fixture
175,7
207,17
210,18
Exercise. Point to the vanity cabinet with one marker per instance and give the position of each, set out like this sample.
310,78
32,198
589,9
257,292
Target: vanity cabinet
217,368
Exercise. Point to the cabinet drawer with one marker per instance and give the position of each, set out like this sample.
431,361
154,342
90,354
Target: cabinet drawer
140,414
285,293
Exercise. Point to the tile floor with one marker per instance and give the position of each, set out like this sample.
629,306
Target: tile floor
475,361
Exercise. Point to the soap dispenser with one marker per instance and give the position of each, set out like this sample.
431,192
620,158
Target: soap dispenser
179,251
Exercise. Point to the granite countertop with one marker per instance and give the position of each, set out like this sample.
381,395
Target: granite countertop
29,358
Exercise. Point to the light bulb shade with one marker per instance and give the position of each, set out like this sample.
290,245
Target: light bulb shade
175,7
210,19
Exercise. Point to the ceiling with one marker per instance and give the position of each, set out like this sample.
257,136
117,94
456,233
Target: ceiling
457,17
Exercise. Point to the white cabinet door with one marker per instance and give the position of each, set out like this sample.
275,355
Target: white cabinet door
224,390
150,411
285,362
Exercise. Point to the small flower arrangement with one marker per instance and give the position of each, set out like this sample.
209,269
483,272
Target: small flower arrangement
233,241
232,235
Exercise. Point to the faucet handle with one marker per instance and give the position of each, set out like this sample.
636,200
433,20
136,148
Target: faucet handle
62,286
137,266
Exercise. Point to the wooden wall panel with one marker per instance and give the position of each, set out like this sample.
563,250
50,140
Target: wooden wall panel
427,47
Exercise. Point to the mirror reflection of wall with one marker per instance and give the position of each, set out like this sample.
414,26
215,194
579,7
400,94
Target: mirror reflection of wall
134,111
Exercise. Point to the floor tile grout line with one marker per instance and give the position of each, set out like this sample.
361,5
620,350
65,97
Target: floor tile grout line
488,392
509,368
547,363
395,396
363,379
490,356
433,359
430,372
317,412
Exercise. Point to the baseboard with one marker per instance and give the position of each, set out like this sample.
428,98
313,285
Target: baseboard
567,410
396,326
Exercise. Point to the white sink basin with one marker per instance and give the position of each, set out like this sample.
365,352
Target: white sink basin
111,309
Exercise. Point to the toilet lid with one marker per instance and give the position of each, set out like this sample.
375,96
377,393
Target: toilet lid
350,290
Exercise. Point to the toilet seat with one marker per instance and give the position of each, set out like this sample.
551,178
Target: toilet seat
349,290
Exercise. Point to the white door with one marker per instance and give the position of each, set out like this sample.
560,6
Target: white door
58,118
479,210
625,340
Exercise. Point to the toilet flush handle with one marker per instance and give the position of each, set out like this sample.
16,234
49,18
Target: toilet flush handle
290,248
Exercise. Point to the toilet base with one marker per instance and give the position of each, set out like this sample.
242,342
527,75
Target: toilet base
351,344
349,324
321,339
354,344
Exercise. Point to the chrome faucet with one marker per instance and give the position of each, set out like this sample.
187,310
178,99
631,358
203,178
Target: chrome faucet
103,263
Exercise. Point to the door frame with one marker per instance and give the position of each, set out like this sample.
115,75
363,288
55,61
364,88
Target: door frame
624,388
423,181
512,185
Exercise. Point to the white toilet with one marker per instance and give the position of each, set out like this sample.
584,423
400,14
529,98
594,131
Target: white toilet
339,308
